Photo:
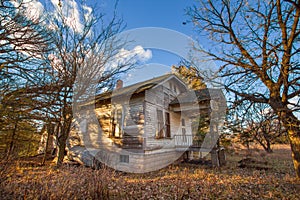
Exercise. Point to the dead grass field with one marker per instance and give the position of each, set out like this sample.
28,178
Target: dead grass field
26,179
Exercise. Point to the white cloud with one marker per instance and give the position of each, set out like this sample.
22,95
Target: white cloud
142,54
137,54
88,12
130,57
70,11
32,9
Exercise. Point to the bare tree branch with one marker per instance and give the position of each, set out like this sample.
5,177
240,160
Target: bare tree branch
257,45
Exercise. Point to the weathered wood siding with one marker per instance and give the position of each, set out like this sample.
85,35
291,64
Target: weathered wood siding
160,98
139,119
104,114
139,162
132,116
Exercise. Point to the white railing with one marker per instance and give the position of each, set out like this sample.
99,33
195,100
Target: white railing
183,140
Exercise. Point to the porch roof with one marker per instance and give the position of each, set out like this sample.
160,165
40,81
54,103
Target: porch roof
199,101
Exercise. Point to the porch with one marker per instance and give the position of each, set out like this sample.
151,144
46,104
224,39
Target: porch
191,143
180,143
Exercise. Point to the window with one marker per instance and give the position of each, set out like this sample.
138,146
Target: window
163,125
117,123
160,124
166,100
175,89
124,158
182,122
135,115
167,124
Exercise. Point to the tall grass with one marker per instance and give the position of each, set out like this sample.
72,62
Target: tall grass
27,179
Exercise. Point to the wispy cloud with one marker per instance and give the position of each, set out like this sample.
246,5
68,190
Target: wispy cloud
72,16
32,9
137,54
88,12
22,37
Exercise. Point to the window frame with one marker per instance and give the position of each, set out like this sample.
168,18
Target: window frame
124,158
167,125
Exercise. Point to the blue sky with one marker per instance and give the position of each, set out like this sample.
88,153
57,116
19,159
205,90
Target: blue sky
168,14
154,13
158,13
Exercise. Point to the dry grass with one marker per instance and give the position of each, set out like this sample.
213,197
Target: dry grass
25,179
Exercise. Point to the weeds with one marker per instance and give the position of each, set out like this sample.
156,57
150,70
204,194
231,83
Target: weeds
25,179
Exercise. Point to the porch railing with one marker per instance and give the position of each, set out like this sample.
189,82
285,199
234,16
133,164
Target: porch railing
185,141
137,142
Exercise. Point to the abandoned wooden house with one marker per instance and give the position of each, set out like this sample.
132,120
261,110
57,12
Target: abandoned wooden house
145,126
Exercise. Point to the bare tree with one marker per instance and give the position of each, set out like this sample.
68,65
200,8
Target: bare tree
264,126
257,45
83,49
23,44
256,122
190,75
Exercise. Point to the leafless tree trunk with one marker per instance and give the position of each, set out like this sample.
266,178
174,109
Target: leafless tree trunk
81,52
256,122
258,46
23,44
12,139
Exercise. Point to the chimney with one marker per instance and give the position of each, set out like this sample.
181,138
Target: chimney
119,84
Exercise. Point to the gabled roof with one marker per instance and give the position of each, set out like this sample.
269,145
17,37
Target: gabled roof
138,87
198,96
192,96
205,101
